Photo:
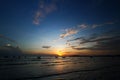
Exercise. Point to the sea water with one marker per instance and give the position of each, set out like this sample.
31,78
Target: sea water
51,68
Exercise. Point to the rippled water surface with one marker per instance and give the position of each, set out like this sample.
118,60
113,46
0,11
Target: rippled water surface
32,68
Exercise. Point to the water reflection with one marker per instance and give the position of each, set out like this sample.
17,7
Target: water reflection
49,66
64,65
59,67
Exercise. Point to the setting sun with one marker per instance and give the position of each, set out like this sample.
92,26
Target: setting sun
59,53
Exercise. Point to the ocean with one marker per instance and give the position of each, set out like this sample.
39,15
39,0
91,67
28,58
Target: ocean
59,68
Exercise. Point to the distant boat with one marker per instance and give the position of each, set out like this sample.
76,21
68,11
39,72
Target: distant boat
39,57
56,56
63,57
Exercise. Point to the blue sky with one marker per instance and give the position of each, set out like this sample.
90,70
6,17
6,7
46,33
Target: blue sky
57,24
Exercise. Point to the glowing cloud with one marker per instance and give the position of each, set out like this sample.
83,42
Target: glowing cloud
69,32
72,31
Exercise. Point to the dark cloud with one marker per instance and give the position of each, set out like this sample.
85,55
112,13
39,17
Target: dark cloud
80,38
84,48
111,44
99,39
46,47
78,28
103,42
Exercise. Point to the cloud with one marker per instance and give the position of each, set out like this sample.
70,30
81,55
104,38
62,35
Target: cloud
68,44
101,42
9,39
69,32
102,45
99,25
38,16
72,31
82,26
79,38
83,48
98,39
47,47
75,30
109,44
96,25
84,40
44,8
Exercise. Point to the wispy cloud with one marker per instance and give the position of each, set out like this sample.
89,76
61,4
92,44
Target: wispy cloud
69,32
102,42
82,26
44,8
38,17
78,28
72,31
100,25
96,25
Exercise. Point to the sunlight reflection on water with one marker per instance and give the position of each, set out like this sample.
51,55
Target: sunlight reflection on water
48,66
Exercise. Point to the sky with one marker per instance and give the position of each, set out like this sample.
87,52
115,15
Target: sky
63,27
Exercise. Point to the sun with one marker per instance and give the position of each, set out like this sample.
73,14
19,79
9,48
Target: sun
59,53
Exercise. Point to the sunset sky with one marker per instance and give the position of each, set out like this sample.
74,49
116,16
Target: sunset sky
62,26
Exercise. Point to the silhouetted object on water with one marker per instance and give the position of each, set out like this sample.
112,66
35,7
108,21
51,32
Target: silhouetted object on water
19,57
56,56
91,56
63,57
39,57
5,56
25,57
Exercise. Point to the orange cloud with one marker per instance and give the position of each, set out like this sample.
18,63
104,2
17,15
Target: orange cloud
69,32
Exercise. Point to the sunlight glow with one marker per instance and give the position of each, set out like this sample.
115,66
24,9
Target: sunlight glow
59,53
